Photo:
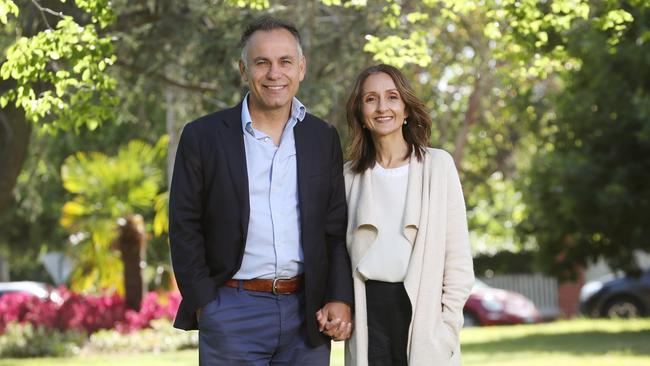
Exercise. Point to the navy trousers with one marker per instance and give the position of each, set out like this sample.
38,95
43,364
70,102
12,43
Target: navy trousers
241,327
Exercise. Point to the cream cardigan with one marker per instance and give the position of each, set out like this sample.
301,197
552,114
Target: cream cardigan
440,274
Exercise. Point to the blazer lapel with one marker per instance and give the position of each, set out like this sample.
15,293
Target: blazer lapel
304,156
232,140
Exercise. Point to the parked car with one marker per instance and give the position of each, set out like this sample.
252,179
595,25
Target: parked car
617,297
491,306
38,289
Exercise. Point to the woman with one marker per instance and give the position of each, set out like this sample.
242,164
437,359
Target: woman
407,230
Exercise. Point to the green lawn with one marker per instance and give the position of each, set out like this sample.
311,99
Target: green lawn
570,343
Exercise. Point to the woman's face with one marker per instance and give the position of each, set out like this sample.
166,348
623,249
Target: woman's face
383,109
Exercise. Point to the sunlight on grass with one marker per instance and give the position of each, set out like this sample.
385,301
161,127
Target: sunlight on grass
573,343
580,342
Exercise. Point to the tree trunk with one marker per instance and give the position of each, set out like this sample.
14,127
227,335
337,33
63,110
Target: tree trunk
471,117
15,133
131,243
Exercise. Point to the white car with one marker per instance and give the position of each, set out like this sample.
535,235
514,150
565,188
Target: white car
41,290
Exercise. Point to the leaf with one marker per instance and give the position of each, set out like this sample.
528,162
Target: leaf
7,7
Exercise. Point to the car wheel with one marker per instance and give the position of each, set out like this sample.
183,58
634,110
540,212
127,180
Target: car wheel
470,320
622,308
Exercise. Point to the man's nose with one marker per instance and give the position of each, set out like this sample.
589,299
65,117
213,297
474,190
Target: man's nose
273,72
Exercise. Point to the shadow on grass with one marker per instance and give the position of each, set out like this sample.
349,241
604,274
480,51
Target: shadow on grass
593,342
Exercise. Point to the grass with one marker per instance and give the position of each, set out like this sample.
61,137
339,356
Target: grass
565,343
573,343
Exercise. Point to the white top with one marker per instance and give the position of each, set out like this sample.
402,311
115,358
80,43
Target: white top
388,258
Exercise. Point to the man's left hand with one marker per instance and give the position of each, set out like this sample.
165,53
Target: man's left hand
335,320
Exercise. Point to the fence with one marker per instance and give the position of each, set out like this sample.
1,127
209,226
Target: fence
542,290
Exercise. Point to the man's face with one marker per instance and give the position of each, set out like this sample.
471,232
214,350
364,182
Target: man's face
273,70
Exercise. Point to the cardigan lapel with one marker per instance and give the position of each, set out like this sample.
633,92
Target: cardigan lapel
365,214
366,227
232,140
363,231
413,205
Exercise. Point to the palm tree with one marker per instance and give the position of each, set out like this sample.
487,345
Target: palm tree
105,215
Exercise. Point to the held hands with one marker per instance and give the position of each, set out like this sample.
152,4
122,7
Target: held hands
335,320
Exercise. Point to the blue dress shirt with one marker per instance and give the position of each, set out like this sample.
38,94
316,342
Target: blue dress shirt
273,247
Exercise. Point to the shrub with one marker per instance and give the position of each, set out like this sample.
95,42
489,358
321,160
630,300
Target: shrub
26,340
85,313
161,337
154,306
76,312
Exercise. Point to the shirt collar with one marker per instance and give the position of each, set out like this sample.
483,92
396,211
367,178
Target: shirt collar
298,112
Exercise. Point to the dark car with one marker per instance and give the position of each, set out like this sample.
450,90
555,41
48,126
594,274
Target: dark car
620,297
38,289
491,306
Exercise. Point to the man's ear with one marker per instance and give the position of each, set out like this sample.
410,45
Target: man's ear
242,70
302,64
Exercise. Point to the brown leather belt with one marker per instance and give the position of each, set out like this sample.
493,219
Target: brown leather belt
276,286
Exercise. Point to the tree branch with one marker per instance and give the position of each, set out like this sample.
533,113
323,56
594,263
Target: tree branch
202,87
44,10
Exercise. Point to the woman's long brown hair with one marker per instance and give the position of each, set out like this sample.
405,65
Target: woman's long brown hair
417,132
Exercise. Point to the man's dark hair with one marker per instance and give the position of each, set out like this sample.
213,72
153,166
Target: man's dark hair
268,23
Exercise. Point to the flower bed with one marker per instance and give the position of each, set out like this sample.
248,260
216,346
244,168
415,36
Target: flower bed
30,326
87,313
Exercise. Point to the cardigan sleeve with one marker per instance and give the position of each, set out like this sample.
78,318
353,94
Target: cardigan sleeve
458,276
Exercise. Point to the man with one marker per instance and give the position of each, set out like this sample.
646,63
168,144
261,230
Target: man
258,218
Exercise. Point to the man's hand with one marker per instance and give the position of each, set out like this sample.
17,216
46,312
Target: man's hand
335,320
198,314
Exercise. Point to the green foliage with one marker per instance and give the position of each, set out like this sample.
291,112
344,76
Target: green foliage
589,184
107,188
7,7
253,4
60,74
100,10
345,3
505,262
487,72
496,210
399,51
161,337
25,340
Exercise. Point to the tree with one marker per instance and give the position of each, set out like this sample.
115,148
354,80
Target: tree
105,215
483,70
55,74
588,192
52,76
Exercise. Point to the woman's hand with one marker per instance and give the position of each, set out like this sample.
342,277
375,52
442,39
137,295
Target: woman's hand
335,320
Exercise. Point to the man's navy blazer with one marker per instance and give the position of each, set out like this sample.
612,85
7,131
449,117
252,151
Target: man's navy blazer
209,213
